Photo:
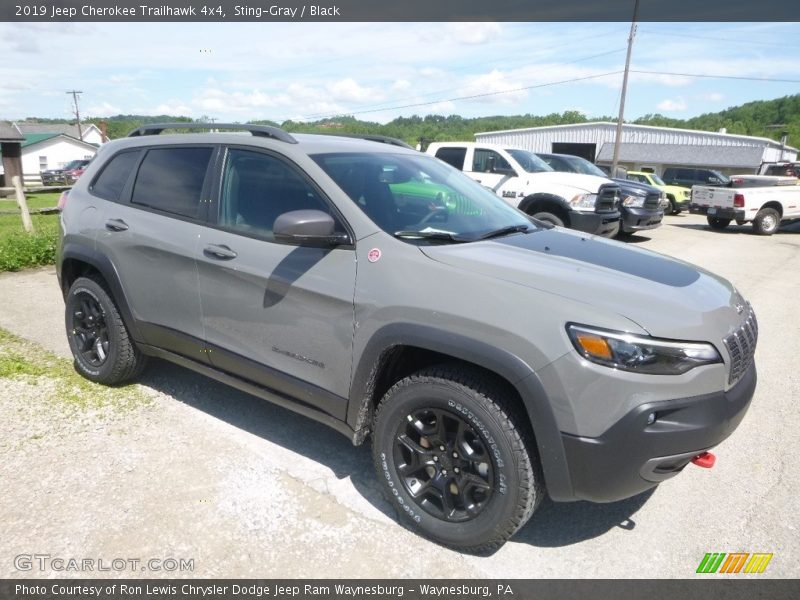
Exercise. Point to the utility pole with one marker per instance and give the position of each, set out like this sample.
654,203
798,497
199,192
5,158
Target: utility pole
78,112
624,90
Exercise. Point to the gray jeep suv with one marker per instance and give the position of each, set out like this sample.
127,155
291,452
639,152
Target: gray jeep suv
490,357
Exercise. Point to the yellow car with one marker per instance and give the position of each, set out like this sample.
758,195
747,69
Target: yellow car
678,197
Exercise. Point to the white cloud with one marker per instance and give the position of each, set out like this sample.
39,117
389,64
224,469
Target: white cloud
503,89
103,109
712,97
401,85
348,90
670,105
473,33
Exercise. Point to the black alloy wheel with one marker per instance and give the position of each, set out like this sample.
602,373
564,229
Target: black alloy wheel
89,330
444,465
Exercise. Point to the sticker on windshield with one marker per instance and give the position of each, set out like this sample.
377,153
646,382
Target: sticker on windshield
374,255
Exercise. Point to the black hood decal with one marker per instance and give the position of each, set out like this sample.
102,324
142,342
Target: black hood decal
609,255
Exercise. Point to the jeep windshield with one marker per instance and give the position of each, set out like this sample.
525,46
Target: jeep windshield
529,161
418,198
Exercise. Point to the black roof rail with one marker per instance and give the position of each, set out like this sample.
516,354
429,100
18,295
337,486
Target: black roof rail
257,130
374,138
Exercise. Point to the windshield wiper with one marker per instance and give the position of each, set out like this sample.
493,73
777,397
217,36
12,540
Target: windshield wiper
503,231
429,235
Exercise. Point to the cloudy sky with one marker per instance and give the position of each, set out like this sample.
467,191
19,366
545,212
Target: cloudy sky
379,71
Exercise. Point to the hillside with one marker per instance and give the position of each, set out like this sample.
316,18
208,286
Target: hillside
752,118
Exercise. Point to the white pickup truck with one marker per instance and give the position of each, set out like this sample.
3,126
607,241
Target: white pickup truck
584,202
761,200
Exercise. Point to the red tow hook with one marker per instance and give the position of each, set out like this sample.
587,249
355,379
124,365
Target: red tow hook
705,460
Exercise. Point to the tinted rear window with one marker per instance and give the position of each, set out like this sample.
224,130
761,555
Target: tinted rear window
452,156
171,179
112,179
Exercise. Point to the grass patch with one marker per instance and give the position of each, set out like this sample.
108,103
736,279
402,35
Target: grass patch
21,360
20,250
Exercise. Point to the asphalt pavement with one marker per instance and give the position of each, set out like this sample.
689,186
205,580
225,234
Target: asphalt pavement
246,489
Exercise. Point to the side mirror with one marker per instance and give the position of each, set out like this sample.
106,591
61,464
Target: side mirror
308,228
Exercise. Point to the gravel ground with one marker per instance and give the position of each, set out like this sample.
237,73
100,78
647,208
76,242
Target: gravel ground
181,467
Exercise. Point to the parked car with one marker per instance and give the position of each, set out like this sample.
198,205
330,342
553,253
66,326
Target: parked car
640,204
491,358
584,202
65,175
783,168
687,177
762,200
678,197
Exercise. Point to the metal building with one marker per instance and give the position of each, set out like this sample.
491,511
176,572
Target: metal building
644,147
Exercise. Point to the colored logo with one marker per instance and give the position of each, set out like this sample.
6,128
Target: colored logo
735,562
374,255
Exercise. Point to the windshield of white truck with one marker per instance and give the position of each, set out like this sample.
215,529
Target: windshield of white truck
529,161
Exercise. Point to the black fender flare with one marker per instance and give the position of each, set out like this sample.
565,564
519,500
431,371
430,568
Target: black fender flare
526,202
501,362
100,262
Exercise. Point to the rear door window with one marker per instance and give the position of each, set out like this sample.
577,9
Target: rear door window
112,179
171,180
452,156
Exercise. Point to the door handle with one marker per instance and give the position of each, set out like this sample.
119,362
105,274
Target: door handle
219,251
116,225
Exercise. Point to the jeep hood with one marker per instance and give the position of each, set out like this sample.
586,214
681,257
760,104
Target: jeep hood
579,181
665,297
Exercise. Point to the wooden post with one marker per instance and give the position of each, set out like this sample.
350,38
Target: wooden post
27,224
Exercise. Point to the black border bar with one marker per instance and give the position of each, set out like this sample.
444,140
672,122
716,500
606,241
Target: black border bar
266,11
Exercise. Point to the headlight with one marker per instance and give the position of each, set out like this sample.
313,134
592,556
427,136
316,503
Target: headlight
632,200
584,201
640,354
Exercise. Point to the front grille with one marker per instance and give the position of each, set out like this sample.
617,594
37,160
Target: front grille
652,200
607,198
741,345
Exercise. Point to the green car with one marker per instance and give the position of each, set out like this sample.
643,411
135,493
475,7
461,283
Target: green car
678,197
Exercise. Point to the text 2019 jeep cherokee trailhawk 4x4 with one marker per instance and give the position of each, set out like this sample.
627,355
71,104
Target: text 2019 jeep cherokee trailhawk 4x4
489,356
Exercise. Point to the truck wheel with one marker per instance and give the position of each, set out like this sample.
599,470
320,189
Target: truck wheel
455,458
767,221
549,218
716,223
99,341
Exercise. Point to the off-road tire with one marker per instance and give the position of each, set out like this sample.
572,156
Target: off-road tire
718,224
767,221
484,405
548,217
123,361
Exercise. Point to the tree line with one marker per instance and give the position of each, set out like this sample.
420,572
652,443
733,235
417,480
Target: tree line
763,118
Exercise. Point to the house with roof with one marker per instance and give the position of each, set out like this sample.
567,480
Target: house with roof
51,146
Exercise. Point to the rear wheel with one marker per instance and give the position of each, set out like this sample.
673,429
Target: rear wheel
548,217
98,338
716,223
455,459
767,221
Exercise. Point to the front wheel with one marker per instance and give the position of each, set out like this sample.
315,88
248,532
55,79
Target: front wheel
716,223
548,217
455,458
767,221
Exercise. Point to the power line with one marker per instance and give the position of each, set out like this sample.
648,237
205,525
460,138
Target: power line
737,40
705,76
445,91
473,96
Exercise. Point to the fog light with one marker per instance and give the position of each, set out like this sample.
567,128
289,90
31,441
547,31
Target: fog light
651,418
